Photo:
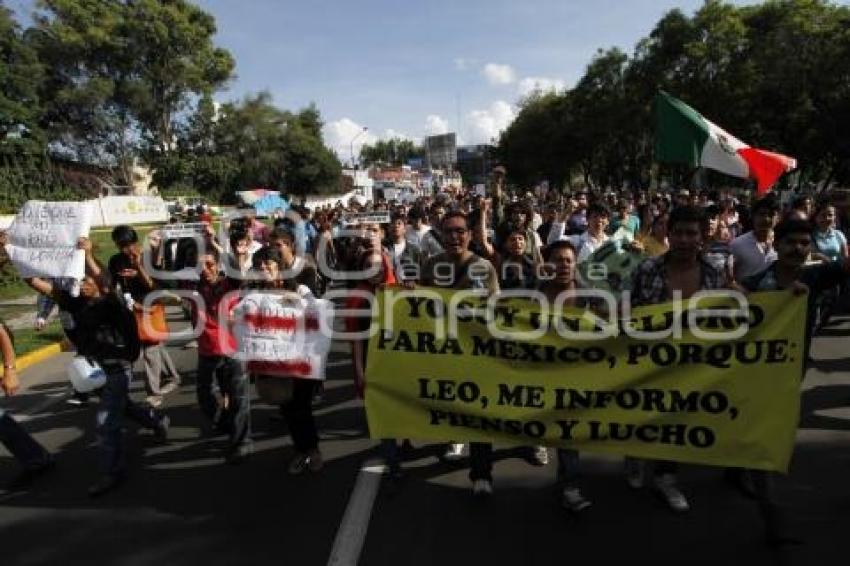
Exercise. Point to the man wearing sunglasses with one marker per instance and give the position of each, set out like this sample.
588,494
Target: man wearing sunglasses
459,268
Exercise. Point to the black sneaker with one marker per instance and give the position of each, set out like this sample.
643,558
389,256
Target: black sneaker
238,455
29,475
106,484
161,430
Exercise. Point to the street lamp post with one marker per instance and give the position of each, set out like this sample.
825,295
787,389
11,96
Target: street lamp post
360,133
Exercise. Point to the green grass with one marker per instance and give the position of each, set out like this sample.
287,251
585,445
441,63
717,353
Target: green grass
28,340
14,289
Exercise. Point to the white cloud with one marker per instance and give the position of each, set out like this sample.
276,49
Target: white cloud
390,134
436,125
544,84
338,136
499,74
461,64
487,124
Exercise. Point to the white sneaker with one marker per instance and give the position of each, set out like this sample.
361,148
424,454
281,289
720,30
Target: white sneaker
574,501
541,455
665,485
634,472
454,451
482,488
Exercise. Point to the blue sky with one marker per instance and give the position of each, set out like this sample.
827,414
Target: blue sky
417,68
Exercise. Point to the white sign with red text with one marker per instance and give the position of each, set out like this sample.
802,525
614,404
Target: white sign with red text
285,335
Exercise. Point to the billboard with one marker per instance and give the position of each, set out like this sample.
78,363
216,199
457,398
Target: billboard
441,151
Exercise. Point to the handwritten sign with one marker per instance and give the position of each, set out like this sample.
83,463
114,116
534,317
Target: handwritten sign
284,335
177,231
42,240
357,219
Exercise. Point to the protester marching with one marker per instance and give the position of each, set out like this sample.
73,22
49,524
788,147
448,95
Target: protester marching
458,292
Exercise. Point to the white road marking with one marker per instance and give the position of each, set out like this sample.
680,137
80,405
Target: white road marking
338,363
355,522
50,401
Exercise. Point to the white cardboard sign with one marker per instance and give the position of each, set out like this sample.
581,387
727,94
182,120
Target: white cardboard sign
42,240
284,336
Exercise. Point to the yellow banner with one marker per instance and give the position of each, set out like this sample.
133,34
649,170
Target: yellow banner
711,381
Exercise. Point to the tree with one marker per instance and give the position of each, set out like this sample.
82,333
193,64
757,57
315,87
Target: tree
394,151
122,72
250,144
540,144
21,74
777,75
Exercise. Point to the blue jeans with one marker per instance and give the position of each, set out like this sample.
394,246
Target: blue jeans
115,402
23,447
232,381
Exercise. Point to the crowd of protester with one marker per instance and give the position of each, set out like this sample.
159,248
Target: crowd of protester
691,240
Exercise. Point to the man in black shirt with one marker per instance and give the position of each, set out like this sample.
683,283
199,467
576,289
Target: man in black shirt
105,332
793,241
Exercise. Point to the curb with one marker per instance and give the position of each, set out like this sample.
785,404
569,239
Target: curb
37,356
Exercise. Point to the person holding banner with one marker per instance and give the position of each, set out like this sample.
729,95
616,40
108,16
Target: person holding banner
794,243
375,260
34,458
459,268
105,332
678,274
561,258
279,273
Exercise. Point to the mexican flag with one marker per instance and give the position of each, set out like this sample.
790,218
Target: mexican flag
682,135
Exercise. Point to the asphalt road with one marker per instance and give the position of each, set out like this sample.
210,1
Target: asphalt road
182,505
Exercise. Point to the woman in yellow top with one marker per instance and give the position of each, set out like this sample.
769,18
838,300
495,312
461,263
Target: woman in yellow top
654,237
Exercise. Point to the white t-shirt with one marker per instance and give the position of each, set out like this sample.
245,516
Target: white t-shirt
415,236
749,256
583,243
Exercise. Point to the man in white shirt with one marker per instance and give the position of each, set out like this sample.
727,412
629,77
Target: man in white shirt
591,239
753,252
421,235
404,254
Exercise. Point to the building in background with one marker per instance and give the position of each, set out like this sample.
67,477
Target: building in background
474,162
441,151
